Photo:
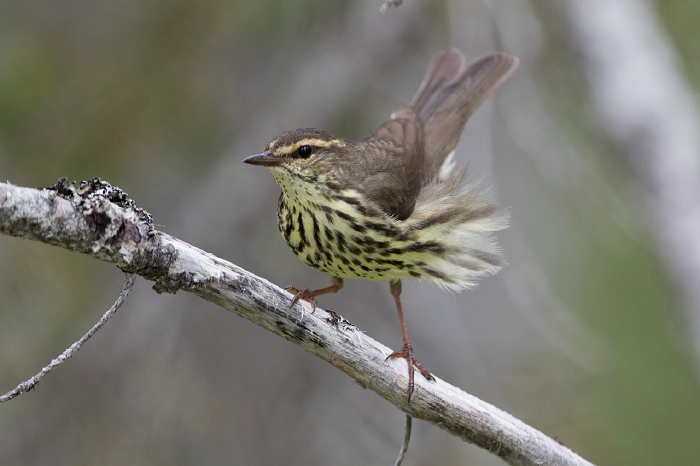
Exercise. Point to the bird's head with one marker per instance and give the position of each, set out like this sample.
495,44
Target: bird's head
304,155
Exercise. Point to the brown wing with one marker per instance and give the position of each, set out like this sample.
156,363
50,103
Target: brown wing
449,94
394,163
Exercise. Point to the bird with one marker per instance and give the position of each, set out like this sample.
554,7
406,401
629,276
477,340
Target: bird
394,206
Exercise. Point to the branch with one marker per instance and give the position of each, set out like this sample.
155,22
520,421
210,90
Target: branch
100,220
29,385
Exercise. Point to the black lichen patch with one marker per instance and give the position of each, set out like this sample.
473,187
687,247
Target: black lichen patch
96,190
295,333
99,221
439,408
154,264
299,333
338,321
333,319
182,281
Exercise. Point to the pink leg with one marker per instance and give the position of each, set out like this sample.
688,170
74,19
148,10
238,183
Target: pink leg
309,296
406,350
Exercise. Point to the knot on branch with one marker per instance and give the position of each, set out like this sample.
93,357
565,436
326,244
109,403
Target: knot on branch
116,224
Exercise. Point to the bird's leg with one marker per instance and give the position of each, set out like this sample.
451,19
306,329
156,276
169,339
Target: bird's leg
309,295
406,350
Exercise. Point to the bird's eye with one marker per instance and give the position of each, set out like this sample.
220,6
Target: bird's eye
305,151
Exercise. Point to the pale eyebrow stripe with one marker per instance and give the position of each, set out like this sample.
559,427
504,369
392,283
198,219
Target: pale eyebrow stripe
285,150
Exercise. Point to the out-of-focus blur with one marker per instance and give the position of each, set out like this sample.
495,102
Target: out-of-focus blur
588,334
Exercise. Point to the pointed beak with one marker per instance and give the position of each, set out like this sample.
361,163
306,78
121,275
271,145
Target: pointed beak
264,159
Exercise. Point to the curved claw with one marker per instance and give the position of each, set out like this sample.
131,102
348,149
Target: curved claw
406,353
306,294
310,296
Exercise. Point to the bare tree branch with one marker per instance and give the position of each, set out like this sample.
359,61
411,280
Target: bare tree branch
406,440
97,219
69,352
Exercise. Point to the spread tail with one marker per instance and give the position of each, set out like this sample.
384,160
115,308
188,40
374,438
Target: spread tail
450,92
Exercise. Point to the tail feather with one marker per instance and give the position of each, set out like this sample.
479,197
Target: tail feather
460,217
450,92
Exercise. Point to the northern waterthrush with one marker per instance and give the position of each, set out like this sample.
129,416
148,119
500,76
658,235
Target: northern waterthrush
392,206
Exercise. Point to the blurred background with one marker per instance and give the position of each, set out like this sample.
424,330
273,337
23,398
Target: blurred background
590,334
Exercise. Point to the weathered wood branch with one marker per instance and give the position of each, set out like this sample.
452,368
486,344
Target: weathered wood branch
32,382
97,219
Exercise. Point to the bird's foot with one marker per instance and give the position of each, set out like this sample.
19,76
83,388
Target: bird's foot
406,353
310,295
307,295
